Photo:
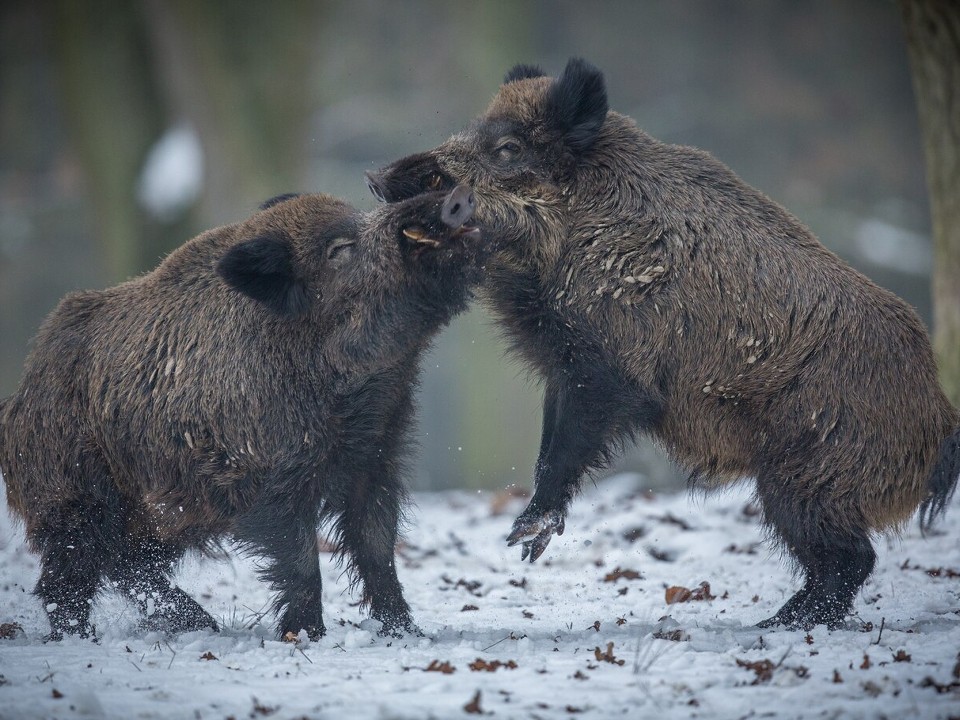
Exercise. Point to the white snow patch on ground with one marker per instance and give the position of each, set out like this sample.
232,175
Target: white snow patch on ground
555,621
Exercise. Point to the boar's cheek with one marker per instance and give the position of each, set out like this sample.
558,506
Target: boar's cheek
263,269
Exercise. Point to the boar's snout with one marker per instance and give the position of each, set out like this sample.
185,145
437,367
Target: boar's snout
375,183
458,206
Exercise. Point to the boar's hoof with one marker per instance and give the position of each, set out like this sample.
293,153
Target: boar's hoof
535,532
806,610
397,626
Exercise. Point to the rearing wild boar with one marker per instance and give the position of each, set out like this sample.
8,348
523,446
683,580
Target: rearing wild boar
656,292
258,382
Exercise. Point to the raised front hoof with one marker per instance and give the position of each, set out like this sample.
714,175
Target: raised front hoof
535,531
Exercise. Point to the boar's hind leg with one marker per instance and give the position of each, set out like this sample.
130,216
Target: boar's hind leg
143,572
76,541
835,555
287,538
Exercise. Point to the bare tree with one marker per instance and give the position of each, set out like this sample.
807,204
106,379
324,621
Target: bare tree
933,38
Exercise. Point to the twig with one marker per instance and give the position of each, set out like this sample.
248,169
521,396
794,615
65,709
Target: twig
337,645
135,665
174,654
305,655
497,642
880,634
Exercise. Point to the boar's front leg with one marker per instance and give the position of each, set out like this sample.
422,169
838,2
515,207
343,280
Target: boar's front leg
142,572
284,531
367,530
584,417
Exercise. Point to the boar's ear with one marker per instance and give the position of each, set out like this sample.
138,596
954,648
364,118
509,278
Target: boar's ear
523,72
263,269
577,104
277,199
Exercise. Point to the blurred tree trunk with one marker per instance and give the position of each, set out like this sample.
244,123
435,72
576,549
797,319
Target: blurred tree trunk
241,74
933,39
113,116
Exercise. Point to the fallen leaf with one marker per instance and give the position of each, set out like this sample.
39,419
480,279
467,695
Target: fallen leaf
481,665
607,656
290,637
836,677
441,667
621,621
468,608
8,631
522,583
596,625
527,614
56,694
763,669
865,665
679,594
571,709
208,656
672,635
473,707
808,639
580,676
901,656
619,573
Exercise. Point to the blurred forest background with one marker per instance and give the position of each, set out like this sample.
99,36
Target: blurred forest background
128,126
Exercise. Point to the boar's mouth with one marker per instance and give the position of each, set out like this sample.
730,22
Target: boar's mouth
467,232
453,222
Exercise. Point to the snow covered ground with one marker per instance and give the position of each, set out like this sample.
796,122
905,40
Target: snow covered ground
586,632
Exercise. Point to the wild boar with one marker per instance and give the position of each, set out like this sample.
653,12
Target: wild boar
255,384
657,293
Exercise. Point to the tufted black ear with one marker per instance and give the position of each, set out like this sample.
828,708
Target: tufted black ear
577,104
523,72
263,269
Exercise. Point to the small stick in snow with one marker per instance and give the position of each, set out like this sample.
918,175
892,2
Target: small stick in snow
497,642
880,634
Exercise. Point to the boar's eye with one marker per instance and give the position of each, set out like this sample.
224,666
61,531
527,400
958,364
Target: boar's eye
508,149
340,250
433,181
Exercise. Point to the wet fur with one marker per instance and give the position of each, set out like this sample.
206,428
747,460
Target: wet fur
258,382
657,293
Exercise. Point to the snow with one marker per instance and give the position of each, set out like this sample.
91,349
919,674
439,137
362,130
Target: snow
172,175
570,643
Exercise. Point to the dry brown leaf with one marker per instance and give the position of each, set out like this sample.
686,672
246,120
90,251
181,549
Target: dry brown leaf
473,707
901,656
763,669
680,594
441,667
607,655
8,631
208,656
619,573
481,665
468,608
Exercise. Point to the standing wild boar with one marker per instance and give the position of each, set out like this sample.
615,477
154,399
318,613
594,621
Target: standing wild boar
258,382
657,293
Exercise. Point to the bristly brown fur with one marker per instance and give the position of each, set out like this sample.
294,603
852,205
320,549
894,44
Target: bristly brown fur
656,292
260,377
